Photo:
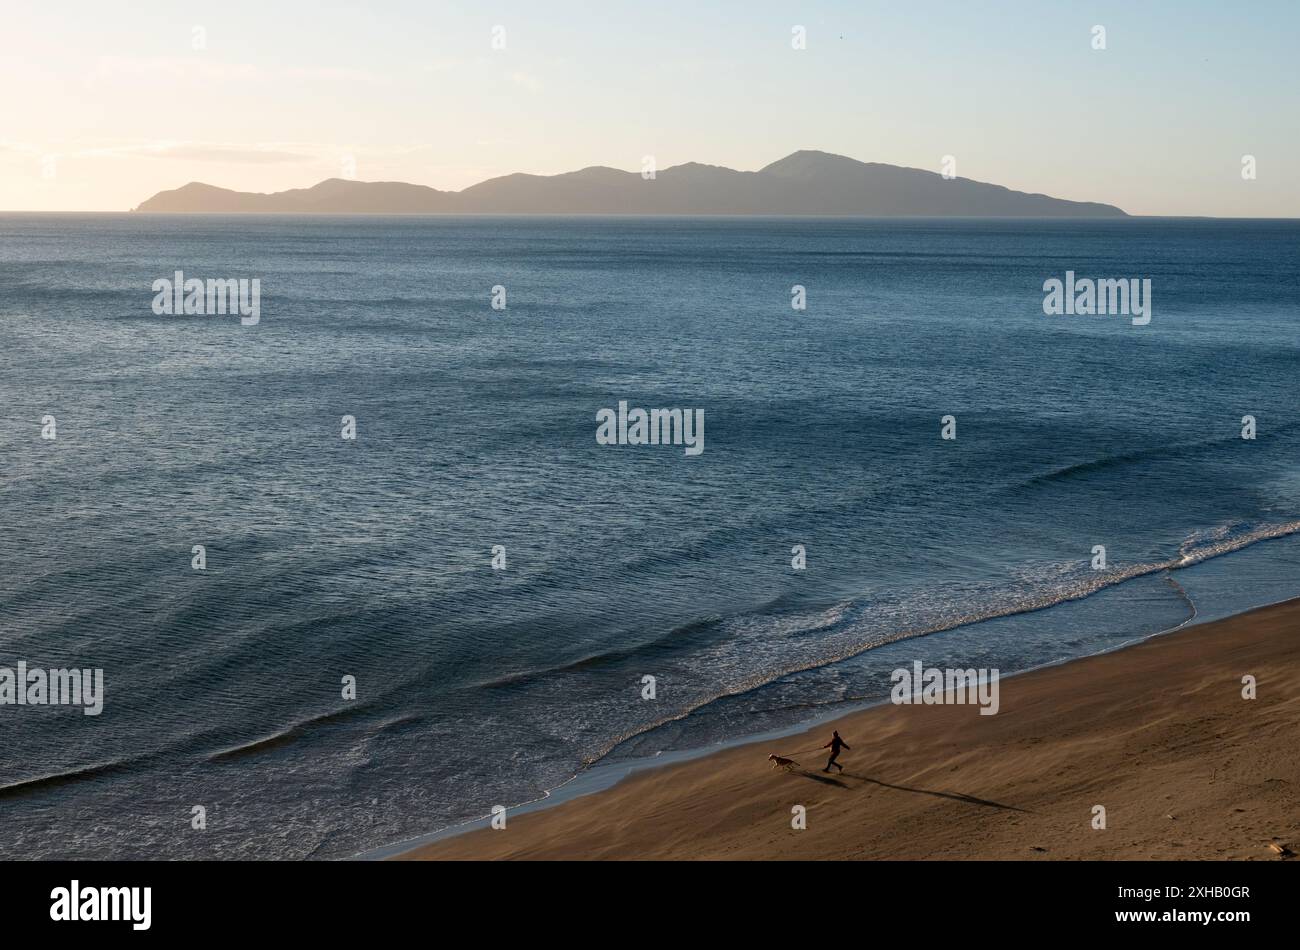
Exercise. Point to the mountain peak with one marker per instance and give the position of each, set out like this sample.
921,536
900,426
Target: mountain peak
809,161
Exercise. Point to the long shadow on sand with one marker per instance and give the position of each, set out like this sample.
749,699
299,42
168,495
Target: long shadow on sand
824,779
954,796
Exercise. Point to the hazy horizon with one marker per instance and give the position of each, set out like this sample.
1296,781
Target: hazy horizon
1158,122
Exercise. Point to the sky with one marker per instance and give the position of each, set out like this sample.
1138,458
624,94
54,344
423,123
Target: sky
107,103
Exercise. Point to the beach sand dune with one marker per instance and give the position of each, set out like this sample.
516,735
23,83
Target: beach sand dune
1158,734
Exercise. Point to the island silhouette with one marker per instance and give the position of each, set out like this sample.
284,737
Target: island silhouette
803,183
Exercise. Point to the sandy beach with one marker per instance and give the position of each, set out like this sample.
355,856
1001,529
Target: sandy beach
1158,734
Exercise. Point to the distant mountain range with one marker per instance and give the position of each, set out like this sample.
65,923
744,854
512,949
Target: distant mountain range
804,183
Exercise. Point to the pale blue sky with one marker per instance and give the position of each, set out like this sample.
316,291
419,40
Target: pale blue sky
107,103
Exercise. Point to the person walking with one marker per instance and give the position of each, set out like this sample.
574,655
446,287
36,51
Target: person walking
835,745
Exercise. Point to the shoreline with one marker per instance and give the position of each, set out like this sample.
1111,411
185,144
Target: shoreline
602,774
567,821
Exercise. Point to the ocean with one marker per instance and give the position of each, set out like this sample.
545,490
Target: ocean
332,561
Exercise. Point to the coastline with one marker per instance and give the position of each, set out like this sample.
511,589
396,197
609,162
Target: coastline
1156,732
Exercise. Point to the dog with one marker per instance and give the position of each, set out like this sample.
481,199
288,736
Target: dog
780,763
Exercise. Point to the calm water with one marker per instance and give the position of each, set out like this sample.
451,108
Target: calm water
371,558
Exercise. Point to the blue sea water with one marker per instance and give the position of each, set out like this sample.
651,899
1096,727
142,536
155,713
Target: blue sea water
329,558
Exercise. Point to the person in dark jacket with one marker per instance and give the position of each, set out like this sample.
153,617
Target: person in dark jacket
835,745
